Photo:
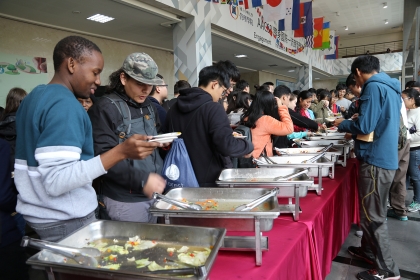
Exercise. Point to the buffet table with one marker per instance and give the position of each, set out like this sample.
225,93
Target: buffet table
303,249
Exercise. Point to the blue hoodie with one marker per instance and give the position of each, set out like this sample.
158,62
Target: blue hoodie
379,111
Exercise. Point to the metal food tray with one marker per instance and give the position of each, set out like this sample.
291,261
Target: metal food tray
256,221
262,178
329,137
185,235
332,154
342,145
320,168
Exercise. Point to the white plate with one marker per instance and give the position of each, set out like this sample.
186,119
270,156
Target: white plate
334,129
167,135
330,119
240,136
163,140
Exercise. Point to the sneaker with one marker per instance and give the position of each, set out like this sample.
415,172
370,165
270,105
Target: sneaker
358,252
377,274
391,213
413,207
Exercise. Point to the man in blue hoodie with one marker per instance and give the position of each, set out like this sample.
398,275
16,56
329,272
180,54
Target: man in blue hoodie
379,116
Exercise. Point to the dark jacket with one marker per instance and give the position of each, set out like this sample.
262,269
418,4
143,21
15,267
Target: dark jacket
161,111
168,104
123,182
298,120
206,133
9,227
8,133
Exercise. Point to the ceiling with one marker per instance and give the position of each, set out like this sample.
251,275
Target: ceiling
143,26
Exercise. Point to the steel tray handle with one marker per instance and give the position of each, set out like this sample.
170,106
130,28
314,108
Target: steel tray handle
291,176
315,158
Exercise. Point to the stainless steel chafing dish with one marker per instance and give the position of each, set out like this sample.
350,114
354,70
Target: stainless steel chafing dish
263,178
342,145
257,221
186,235
332,153
320,168
326,137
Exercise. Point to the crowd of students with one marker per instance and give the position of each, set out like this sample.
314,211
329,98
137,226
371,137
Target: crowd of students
60,139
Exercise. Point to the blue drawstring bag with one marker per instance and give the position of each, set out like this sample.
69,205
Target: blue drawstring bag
177,168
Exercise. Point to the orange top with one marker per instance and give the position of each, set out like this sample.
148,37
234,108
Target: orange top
267,126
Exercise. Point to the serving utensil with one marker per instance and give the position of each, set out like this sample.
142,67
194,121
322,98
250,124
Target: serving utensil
315,158
290,176
258,201
83,256
177,203
196,271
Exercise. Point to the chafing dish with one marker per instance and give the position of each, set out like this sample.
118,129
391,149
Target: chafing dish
263,178
342,145
257,220
326,137
320,168
185,235
332,153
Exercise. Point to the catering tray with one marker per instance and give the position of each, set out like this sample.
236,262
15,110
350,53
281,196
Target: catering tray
342,145
332,153
297,161
229,219
263,178
326,137
183,235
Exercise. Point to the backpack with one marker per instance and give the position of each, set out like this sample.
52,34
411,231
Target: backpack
402,134
243,162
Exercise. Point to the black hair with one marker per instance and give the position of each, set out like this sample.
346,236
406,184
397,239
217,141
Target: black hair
268,84
333,91
340,87
180,85
214,73
242,100
115,82
72,46
302,95
230,68
281,90
263,87
412,93
154,87
350,80
242,84
312,90
366,64
296,92
263,104
231,100
411,84
293,97
325,93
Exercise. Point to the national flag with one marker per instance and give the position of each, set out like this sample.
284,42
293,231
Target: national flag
241,2
291,11
254,3
331,48
215,1
223,1
317,37
272,10
306,26
335,54
325,36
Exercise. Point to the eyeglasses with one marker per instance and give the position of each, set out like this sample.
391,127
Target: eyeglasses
162,86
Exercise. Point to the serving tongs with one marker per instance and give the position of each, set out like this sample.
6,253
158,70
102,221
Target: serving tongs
258,201
83,256
291,176
315,158
177,203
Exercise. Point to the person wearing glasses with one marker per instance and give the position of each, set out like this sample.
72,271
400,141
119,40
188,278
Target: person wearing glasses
205,126
125,110
157,96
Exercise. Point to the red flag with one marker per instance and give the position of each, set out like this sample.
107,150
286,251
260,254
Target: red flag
318,27
273,3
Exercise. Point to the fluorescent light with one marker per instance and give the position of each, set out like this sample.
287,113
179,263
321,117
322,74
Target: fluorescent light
386,21
385,5
316,78
240,55
291,70
100,18
346,28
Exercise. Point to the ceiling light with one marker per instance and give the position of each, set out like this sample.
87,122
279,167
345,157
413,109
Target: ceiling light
385,5
386,21
291,70
76,12
100,18
240,55
316,78
346,28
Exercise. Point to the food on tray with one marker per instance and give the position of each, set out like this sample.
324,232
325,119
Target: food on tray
196,258
142,263
211,204
183,249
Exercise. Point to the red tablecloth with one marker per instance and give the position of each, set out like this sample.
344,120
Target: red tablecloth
303,249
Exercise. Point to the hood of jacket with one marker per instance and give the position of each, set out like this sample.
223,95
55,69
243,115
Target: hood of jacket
191,98
383,78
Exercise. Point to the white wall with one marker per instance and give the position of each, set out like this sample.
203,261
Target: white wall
17,38
328,84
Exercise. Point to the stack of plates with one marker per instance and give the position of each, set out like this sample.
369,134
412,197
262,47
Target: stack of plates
165,138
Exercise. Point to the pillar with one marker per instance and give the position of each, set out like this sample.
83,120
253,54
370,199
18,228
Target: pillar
304,81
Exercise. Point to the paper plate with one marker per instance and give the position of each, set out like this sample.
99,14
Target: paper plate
167,135
240,136
163,140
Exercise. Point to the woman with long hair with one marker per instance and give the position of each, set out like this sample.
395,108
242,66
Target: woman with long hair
303,103
322,110
411,98
242,103
266,117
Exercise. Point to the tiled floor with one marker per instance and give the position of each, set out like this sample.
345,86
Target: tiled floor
405,246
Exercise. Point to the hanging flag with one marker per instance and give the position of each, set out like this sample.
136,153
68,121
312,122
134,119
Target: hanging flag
215,1
317,37
272,10
241,2
291,11
306,24
254,3
335,54
331,48
325,36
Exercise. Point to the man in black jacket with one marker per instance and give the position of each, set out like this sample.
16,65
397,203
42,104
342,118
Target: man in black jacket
205,127
283,92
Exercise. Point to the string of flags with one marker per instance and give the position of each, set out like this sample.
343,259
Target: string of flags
297,16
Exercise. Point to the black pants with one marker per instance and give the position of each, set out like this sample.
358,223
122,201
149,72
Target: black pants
13,262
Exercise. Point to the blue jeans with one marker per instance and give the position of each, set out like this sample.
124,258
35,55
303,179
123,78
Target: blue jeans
57,231
413,173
